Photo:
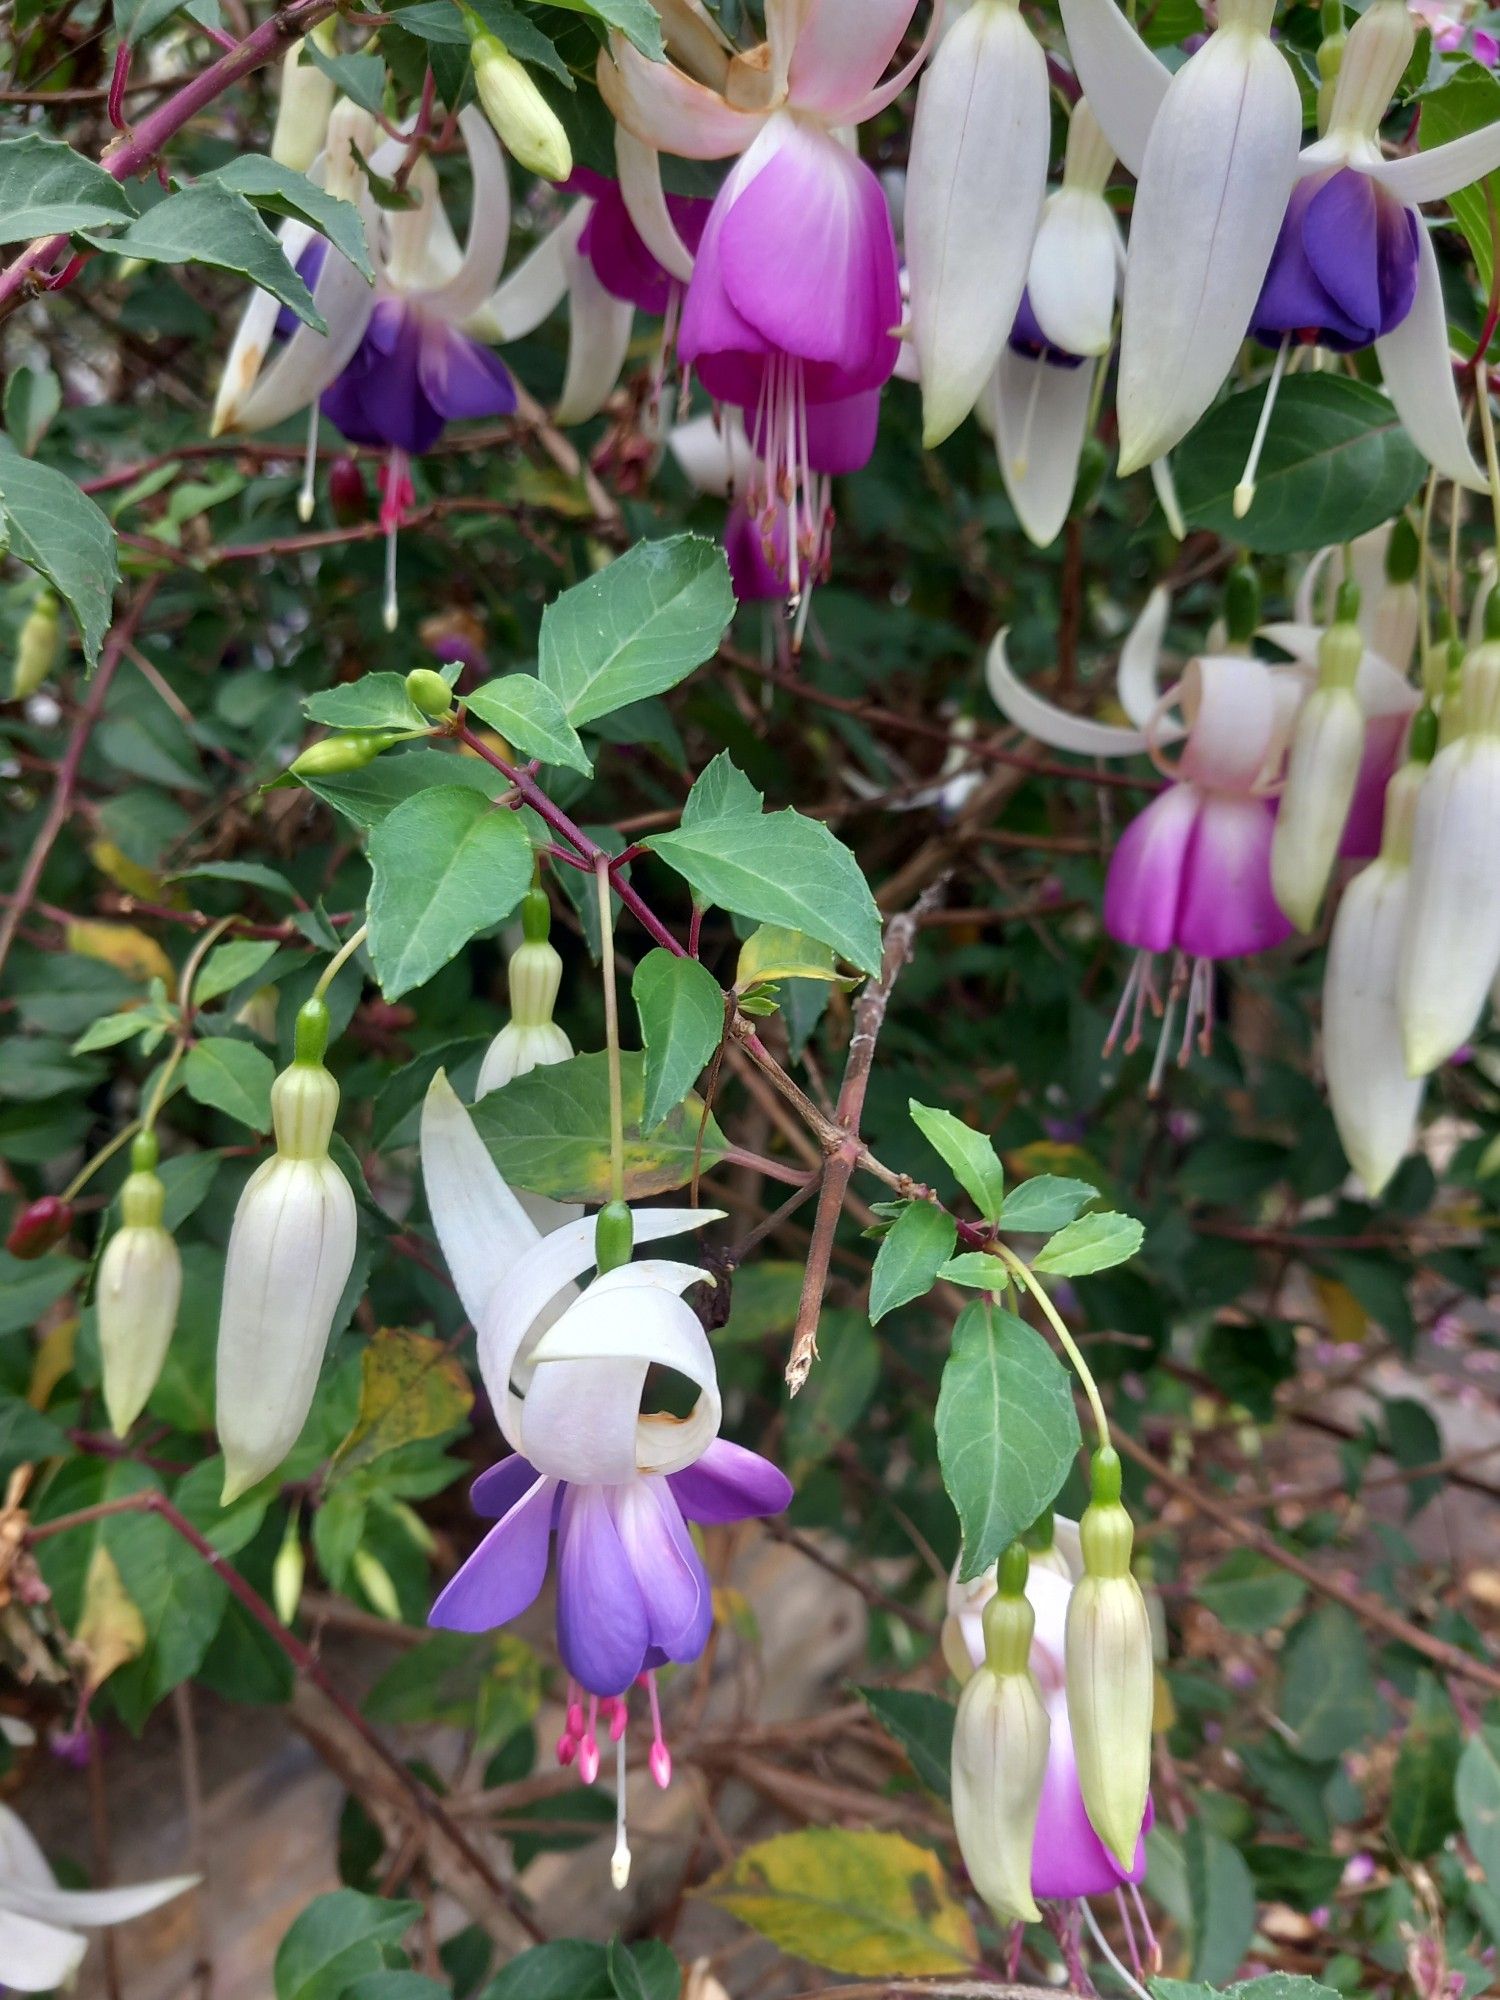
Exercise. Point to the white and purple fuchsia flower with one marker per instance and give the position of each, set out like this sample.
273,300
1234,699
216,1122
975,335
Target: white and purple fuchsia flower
794,304
566,1371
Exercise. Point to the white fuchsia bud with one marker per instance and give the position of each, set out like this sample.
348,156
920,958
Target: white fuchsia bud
1451,944
307,95
1000,1742
290,1254
138,1292
1077,257
529,129
1373,1100
1375,54
531,1038
1322,771
1110,1673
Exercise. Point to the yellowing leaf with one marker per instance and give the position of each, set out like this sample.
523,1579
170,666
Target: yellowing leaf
125,948
52,1360
1053,1156
132,877
772,953
412,1388
1347,1322
111,1629
867,1904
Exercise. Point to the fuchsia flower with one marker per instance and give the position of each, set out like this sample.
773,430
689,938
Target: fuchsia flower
566,1373
795,297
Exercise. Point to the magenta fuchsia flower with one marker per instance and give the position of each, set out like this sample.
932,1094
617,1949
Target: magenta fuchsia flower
566,1371
795,297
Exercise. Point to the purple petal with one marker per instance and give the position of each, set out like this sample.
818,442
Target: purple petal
1385,742
506,1571
1027,338
1228,909
1144,885
728,352
1068,1858
757,577
840,436
1344,269
679,1602
602,1627
461,378
497,1490
729,1483
379,398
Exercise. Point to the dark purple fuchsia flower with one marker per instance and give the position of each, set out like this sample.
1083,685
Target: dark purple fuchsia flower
1344,270
616,1488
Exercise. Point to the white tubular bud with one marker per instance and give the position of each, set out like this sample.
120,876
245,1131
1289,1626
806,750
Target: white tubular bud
1322,772
138,1292
531,1038
1000,1742
1378,48
306,101
290,1254
1110,1672
529,128
37,648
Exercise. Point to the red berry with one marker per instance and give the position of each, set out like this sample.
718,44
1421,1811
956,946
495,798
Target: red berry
39,1226
347,494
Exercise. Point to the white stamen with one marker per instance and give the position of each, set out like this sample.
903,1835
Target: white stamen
1244,493
307,499
390,614
619,1861
1102,1941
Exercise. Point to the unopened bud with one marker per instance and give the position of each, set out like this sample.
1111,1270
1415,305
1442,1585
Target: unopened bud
374,1580
138,1292
37,648
288,1571
1322,772
531,1039
1242,603
1403,552
1001,1738
614,1236
348,497
529,128
291,1250
1110,1678
335,755
429,692
307,96
39,1227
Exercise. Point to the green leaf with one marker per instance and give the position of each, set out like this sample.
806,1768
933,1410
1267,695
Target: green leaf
230,965
359,77
33,397
637,20
973,1160
489,1683
26,1435
1328,1696
411,1388
867,1904
682,1023
1415,1440
267,184
444,866
336,1939
548,1132
1336,462
374,701
1092,1243
59,532
644,1971
978,1269
906,1266
1250,1593
523,38
1273,1986
207,224
1007,1431
566,1969
1221,1894
137,18
1044,1203
528,714
232,1077
636,628
46,189
722,792
27,1288
1423,1807
775,868
923,1725
368,796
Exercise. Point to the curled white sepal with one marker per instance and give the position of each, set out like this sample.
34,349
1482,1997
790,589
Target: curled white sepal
885,94
482,1228
463,293
1381,689
599,328
1138,682
1418,371
1122,79
639,168
256,393
534,290
668,111
1442,170
1046,722
1041,418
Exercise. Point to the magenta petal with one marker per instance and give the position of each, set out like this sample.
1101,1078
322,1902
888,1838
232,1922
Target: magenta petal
506,1571
679,1602
729,1483
602,1627
728,352
1144,885
756,577
461,378
498,1489
840,436
1385,740
1068,1858
1228,909
809,260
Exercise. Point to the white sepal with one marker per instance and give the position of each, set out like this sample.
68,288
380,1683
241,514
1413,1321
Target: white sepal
668,111
1418,370
1441,170
1111,1684
1041,417
639,168
714,453
1138,681
599,328
1451,945
1123,80
1218,169
1075,267
1322,772
1040,718
534,290
482,1228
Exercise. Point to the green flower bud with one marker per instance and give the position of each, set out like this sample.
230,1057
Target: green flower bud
1110,1675
429,692
1403,552
287,1572
335,755
614,1236
1001,1737
37,648
138,1292
374,1579
1242,603
307,95
529,128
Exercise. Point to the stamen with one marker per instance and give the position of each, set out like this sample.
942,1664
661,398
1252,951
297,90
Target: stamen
1153,1943
1103,1943
1140,992
307,499
661,1757
619,1861
1174,994
588,1753
394,502
1244,493
1125,1924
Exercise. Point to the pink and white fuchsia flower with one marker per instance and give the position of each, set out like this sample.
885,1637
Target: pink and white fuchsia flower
794,304
566,1372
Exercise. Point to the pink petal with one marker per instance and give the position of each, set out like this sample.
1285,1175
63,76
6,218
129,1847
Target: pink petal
1144,886
843,50
1228,909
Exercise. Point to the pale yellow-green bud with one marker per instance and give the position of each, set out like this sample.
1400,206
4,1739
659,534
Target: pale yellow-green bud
374,1580
259,1013
531,1039
288,1571
529,128
304,1105
1110,1677
307,96
137,1295
1322,772
37,648
1001,1737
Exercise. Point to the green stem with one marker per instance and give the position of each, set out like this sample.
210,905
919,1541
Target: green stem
339,960
179,1048
611,1029
1065,1339
91,1167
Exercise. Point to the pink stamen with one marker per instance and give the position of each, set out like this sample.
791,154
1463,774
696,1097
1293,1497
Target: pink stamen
588,1752
567,1748
660,1759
